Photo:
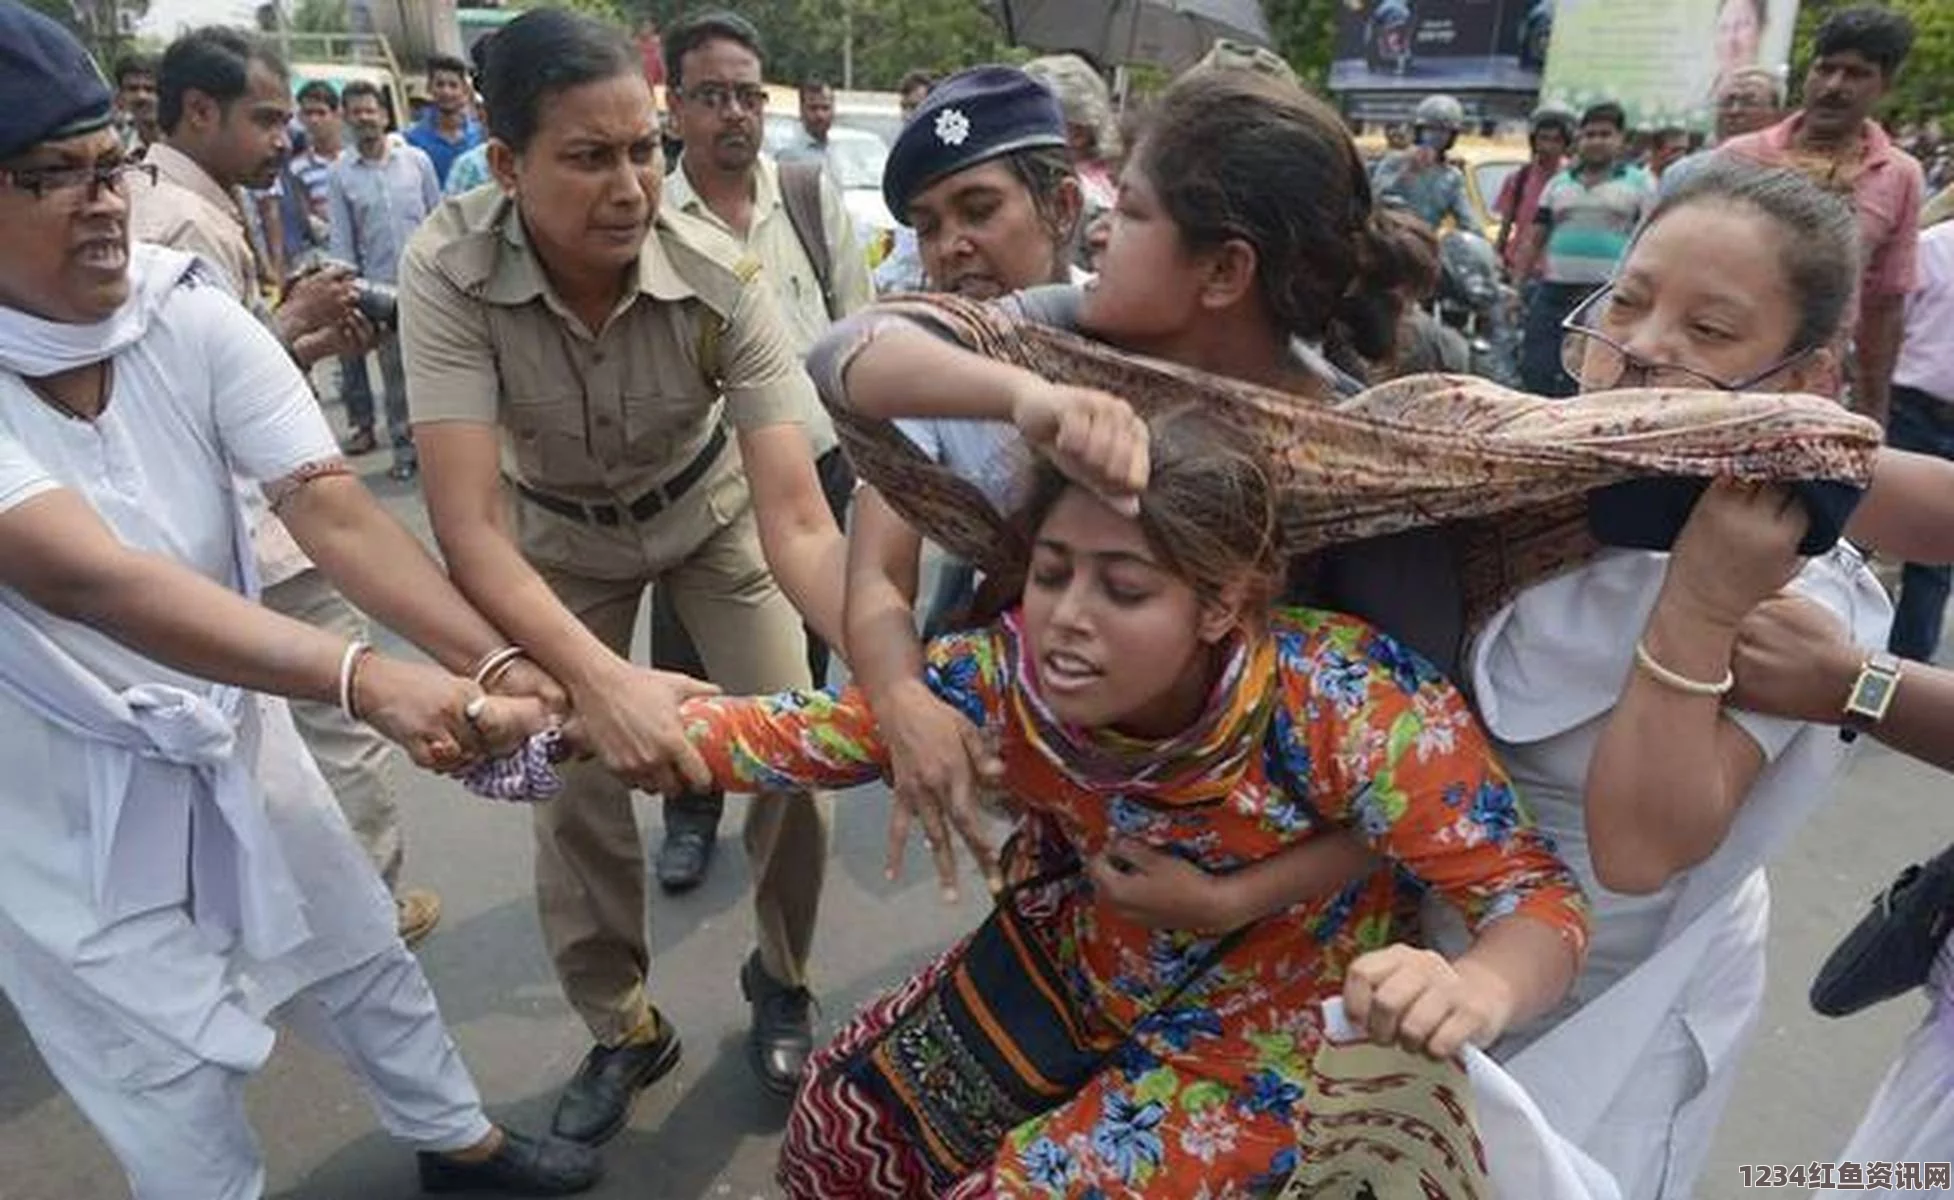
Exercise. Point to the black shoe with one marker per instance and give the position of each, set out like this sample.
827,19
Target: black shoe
401,472
361,441
782,1036
691,835
597,1101
521,1166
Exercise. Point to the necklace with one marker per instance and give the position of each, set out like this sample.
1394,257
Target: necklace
102,372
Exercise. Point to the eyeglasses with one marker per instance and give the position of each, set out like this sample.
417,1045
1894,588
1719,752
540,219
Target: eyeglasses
721,97
40,182
1600,362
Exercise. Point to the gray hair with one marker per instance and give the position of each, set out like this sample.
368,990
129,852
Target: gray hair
1819,235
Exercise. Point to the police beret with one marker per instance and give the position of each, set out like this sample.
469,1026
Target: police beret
969,118
49,87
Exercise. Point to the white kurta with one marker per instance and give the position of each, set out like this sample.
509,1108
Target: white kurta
121,872
1636,1065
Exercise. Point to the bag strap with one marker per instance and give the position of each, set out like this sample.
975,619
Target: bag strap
800,193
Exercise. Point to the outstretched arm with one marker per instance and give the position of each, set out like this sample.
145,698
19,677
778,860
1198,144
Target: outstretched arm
790,741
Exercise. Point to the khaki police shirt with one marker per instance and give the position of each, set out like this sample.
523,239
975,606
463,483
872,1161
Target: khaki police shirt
797,292
596,416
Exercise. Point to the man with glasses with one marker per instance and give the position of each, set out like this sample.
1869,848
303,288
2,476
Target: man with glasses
1749,100
1587,215
173,878
791,218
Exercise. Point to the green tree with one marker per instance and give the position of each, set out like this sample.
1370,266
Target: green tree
805,39
607,10
1305,33
320,16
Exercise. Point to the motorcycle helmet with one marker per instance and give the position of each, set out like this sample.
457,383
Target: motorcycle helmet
1556,118
1437,121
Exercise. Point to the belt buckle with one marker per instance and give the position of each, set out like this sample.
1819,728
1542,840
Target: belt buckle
602,514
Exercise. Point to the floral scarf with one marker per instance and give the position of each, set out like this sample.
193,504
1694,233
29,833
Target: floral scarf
1202,764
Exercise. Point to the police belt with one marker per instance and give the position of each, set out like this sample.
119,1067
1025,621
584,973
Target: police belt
645,507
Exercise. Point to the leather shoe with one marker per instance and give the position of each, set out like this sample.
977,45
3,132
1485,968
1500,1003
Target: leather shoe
691,835
360,441
782,1036
597,1101
520,1166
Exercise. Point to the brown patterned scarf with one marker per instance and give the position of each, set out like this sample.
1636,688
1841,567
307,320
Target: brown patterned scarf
1430,450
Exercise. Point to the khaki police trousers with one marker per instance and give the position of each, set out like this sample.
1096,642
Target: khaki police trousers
590,859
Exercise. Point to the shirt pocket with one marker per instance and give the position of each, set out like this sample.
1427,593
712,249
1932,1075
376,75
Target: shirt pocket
546,432
661,421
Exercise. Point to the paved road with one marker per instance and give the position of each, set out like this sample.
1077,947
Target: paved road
708,1131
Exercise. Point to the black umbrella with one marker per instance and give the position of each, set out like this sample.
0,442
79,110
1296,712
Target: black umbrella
1171,33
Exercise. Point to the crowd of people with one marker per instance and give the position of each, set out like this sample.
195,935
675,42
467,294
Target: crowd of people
1324,683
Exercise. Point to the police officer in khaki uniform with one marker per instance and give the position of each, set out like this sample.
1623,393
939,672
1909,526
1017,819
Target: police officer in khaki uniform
563,329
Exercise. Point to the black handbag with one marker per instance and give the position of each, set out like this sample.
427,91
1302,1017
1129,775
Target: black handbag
997,1041
1892,948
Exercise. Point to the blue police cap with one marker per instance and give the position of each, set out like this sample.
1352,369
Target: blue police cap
969,118
49,87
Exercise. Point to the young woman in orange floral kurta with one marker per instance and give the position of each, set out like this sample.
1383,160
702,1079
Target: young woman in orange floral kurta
1142,692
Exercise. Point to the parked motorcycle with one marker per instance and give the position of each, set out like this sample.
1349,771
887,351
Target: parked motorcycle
1475,299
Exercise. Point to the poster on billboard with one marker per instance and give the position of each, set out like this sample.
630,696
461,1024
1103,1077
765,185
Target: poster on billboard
1662,60
1432,45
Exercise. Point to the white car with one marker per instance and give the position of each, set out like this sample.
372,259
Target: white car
855,158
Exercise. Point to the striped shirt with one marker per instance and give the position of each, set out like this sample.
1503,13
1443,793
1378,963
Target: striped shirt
1588,228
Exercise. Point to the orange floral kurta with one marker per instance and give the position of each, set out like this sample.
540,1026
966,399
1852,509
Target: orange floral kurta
1364,735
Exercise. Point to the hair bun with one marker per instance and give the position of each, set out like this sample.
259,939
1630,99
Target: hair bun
1365,318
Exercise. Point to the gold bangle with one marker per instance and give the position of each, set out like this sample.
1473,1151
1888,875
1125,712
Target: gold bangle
1681,683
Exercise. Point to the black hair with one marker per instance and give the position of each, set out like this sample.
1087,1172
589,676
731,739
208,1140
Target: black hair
913,79
446,64
1043,170
1671,133
1608,111
478,59
1819,242
710,26
541,53
133,64
816,84
320,90
213,60
362,87
1883,36
1244,155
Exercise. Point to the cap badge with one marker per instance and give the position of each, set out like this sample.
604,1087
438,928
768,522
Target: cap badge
952,127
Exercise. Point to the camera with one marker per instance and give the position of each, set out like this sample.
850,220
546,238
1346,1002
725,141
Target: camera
377,302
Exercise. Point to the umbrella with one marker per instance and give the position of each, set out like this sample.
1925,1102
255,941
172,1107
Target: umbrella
1171,33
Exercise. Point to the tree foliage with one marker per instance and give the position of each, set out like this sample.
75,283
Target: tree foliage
1305,33
805,39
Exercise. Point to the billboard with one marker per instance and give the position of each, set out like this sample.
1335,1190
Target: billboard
1441,45
1662,60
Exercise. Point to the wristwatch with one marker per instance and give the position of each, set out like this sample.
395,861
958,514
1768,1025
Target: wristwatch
1872,692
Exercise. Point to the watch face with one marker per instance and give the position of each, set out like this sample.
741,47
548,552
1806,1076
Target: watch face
1872,693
